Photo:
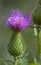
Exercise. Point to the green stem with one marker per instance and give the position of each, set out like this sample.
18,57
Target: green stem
38,42
14,63
38,39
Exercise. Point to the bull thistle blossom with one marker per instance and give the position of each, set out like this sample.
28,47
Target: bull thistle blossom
18,22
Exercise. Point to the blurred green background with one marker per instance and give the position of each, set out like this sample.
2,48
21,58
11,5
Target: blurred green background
6,33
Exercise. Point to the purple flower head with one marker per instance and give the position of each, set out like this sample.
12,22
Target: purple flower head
17,20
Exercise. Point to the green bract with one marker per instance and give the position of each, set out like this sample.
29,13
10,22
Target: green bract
37,15
15,46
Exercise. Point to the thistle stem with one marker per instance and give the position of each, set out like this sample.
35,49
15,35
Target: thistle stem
38,39
38,42
14,63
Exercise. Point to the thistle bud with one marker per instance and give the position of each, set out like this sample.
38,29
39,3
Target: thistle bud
37,15
40,2
33,63
15,46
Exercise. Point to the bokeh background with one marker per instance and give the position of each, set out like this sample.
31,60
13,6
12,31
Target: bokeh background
6,33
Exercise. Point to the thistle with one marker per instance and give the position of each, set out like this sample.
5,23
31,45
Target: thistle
36,15
37,21
17,22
